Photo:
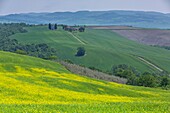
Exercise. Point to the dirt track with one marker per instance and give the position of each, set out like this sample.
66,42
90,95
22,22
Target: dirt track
149,63
77,38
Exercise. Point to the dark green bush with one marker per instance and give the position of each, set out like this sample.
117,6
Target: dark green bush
80,51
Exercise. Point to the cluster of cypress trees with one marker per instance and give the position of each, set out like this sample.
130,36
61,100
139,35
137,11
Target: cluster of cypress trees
52,27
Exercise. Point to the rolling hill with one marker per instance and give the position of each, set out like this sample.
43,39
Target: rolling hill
132,18
29,84
104,48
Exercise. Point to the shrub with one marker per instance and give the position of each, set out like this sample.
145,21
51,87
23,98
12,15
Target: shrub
21,52
68,61
80,51
165,82
52,57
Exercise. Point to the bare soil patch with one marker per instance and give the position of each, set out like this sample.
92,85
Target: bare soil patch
114,27
147,36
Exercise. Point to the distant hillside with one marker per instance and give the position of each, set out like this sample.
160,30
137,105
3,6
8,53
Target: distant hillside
132,18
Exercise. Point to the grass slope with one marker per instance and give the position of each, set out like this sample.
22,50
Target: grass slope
104,48
30,84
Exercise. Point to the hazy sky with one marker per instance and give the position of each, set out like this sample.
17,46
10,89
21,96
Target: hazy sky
25,6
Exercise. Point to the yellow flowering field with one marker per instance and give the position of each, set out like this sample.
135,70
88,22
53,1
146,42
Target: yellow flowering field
29,84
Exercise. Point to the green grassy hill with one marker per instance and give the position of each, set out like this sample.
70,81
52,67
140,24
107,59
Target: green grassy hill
29,84
104,48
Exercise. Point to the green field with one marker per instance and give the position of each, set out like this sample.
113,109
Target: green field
104,48
29,84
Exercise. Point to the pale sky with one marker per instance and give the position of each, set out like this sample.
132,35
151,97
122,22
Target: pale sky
26,6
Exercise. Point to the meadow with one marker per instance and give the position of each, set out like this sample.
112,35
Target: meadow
29,84
104,48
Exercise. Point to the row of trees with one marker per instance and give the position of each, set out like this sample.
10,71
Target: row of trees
142,79
73,28
66,27
165,47
12,45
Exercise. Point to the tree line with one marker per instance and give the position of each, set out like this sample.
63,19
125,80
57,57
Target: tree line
12,45
146,79
73,28
66,27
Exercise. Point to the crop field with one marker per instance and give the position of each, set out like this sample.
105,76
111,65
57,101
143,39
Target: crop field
104,48
29,84
149,37
117,27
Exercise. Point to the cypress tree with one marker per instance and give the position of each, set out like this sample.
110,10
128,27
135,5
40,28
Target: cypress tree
55,26
49,26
